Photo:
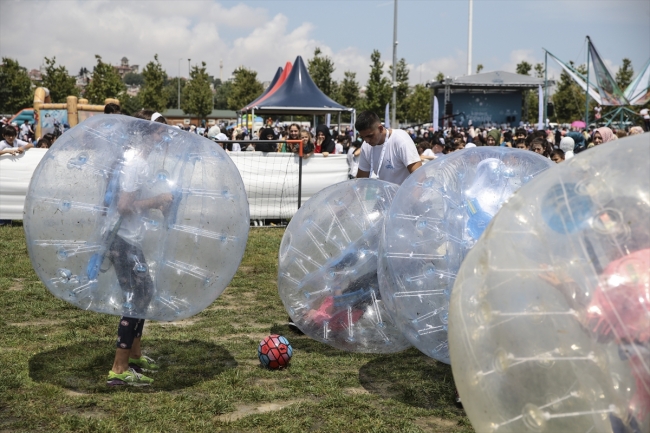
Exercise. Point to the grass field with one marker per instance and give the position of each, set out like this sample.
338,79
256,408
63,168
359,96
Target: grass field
54,359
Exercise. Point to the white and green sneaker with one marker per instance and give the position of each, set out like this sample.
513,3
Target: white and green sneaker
143,363
129,377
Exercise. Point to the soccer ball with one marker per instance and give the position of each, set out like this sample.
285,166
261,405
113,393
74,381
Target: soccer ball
275,352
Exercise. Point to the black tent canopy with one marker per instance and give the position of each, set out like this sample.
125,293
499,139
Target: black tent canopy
298,95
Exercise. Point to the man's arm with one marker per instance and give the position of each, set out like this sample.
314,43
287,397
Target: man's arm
128,204
412,167
363,174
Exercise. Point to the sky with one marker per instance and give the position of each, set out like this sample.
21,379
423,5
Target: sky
263,35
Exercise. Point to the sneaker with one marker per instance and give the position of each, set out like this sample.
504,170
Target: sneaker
459,404
144,363
129,377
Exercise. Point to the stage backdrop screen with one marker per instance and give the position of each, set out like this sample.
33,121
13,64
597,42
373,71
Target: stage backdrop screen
483,108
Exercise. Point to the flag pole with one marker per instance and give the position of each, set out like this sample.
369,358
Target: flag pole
545,85
394,111
587,91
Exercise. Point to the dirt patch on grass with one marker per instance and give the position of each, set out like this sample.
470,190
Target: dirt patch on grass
243,411
17,286
356,391
71,393
435,424
180,323
95,413
38,323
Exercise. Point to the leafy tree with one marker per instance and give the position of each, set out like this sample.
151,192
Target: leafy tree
222,92
105,83
58,82
440,76
171,92
378,91
524,68
402,78
15,87
198,95
418,104
479,68
625,74
245,88
348,94
539,70
569,98
130,104
133,79
152,93
320,68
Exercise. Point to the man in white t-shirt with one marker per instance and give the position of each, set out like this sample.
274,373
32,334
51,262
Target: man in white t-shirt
387,154
646,118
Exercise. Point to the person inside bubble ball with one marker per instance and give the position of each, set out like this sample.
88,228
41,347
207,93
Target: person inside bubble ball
617,309
130,265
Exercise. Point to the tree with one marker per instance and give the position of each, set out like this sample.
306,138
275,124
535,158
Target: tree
133,79
58,82
104,83
479,68
129,105
524,68
569,98
222,92
245,88
197,92
624,74
402,78
15,87
348,94
378,87
152,93
418,104
440,76
171,92
320,68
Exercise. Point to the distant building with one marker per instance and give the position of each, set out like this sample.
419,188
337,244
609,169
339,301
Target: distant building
35,75
125,68
132,90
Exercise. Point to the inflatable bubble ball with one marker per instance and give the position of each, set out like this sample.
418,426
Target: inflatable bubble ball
327,271
549,320
135,218
437,216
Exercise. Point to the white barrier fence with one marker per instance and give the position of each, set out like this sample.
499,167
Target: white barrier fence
271,183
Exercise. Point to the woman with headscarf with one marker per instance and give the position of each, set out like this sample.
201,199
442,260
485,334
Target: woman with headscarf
264,135
324,140
603,135
493,137
579,140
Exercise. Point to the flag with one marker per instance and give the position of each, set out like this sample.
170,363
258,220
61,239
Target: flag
436,114
610,93
638,92
540,107
387,116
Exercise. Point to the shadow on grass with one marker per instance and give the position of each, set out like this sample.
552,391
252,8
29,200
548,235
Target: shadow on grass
83,367
305,343
411,378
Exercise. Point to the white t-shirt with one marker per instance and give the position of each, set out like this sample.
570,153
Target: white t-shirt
353,161
338,148
644,113
132,178
399,154
17,143
429,152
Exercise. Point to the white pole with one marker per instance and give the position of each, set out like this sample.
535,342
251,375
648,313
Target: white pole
469,42
394,113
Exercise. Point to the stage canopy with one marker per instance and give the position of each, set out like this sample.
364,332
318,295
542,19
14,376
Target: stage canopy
500,80
298,94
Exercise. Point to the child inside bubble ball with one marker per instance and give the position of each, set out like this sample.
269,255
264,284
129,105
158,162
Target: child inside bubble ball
617,310
130,265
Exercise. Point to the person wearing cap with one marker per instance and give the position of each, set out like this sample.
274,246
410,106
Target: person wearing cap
386,154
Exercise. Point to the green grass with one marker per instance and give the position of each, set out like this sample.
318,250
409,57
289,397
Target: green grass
54,359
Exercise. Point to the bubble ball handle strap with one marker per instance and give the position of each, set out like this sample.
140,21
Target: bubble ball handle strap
95,262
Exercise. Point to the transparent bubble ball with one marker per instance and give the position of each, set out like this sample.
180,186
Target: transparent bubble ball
549,318
437,216
327,271
135,218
